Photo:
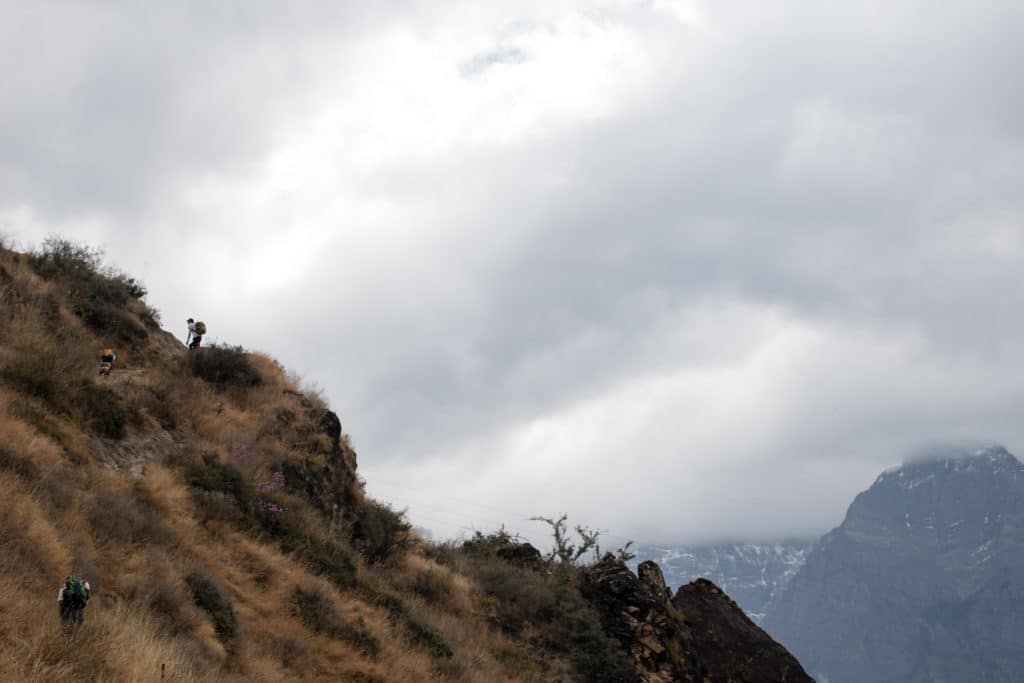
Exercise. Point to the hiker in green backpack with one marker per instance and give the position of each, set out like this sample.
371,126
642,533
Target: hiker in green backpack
72,598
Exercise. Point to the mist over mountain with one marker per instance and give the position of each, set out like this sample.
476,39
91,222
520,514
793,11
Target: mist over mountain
923,580
753,574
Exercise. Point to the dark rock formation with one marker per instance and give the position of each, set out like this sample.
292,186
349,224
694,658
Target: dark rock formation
700,635
923,581
327,478
727,643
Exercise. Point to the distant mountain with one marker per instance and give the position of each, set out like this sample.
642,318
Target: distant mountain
753,574
923,581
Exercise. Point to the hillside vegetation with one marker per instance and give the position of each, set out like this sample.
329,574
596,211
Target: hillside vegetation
215,508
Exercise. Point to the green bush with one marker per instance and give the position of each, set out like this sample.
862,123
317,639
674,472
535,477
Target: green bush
380,532
314,608
210,597
224,366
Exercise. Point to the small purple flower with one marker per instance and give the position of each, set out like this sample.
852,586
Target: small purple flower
239,454
272,508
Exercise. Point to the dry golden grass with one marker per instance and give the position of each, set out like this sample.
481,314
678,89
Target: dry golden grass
138,538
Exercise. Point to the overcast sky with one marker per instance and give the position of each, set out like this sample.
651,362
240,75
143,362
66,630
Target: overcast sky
683,270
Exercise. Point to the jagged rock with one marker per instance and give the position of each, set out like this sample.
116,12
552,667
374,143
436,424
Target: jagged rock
651,576
334,485
522,555
700,635
727,643
639,615
330,424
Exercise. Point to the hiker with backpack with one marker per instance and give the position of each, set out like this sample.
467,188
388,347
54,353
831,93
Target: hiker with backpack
196,330
72,599
107,359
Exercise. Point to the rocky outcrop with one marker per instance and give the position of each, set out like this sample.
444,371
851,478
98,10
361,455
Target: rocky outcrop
727,643
700,635
131,455
328,476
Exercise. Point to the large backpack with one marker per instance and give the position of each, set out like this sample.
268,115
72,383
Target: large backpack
200,328
75,592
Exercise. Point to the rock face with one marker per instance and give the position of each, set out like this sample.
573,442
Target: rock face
700,635
923,581
328,476
753,574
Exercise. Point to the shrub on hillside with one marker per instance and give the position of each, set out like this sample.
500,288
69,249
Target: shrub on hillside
33,370
126,517
110,319
96,294
108,415
210,597
380,532
20,466
329,559
432,585
224,366
315,609
210,474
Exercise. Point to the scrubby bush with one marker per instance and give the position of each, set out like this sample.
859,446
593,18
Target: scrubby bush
426,636
96,294
210,474
432,585
224,366
18,465
329,559
107,412
126,517
380,532
210,597
34,370
110,319
316,610
417,632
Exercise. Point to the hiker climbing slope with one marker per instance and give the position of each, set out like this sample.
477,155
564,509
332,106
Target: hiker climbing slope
196,330
72,599
107,359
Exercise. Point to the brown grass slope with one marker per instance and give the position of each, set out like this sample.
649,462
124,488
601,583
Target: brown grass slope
215,508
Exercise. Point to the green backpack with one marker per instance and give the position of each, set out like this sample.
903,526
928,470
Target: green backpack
75,592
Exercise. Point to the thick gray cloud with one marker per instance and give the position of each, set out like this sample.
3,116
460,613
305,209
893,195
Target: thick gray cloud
684,270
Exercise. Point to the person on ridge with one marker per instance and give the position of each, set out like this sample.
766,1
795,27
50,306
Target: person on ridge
195,333
72,599
107,359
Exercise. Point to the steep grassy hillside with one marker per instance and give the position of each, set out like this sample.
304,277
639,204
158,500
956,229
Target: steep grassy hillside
214,506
